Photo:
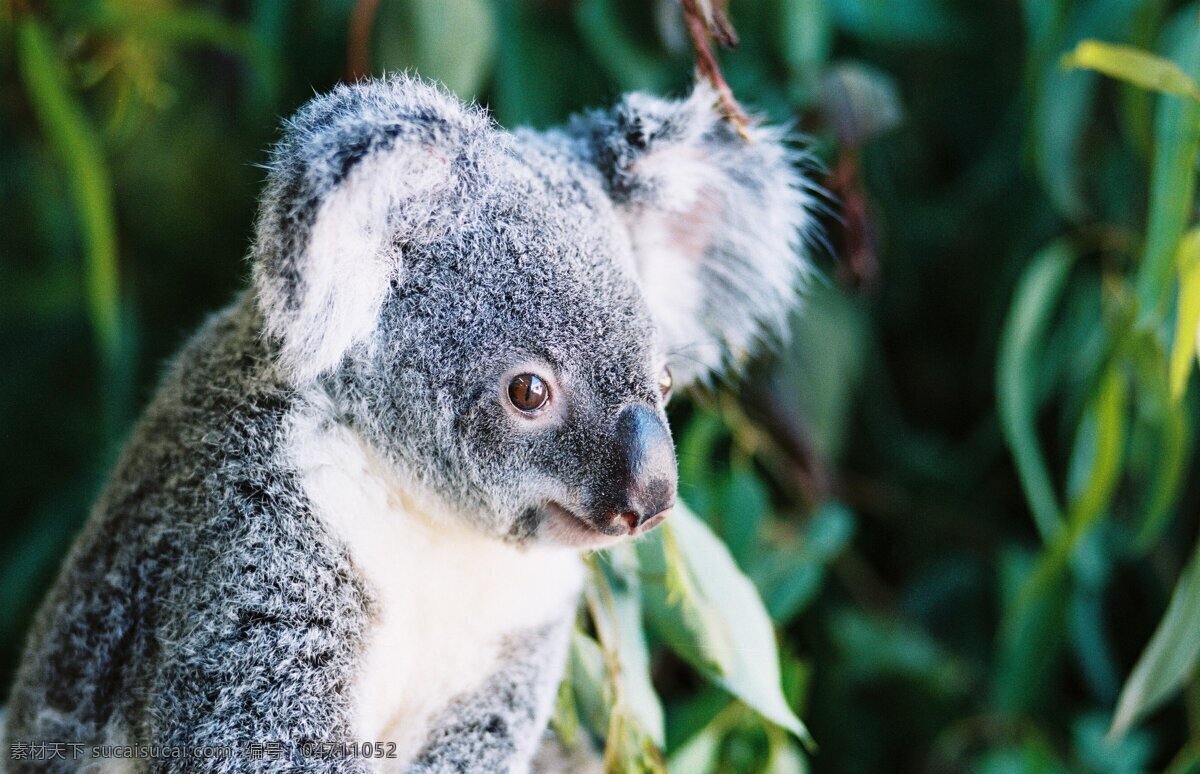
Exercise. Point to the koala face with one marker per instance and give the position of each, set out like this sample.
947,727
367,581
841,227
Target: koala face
503,315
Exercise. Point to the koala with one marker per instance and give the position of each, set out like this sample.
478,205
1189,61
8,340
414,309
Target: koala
346,535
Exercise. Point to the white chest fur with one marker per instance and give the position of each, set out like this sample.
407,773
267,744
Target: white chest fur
446,596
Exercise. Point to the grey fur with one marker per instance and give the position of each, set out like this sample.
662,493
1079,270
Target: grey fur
206,603
503,720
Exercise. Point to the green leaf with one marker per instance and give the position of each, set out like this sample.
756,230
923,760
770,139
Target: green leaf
913,21
587,676
1043,23
695,451
79,150
791,574
1131,64
1129,755
565,718
1162,436
1187,315
1108,413
785,757
542,71
743,508
751,658
1032,631
1063,100
1171,449
614,600
698,754
629,750
1173,178
685,616
1021,340
876,647
1187,761
1031,637
451,41
803,33
1032,755
826,361
631,66
1061,116
1169,659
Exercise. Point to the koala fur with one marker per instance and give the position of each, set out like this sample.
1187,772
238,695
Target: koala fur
331,525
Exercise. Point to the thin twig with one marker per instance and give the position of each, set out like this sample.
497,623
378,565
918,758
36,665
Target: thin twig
705,24
858,268
358,39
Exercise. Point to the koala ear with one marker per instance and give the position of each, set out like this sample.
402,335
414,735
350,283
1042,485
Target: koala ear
718,223
356,174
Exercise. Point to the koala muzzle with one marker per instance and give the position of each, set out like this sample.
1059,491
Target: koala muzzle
645,471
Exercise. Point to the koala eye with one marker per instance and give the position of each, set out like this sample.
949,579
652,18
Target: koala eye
665,383
528,392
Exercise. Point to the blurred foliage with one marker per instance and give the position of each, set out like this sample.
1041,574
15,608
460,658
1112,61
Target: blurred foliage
965,494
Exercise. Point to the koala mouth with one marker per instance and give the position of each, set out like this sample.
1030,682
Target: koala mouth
566,527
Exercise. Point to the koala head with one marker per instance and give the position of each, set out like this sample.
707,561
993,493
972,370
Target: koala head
503,315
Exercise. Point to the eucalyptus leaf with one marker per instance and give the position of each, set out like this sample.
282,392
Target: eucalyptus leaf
790,574
676,609
1063,103
542,72
1187,313
1129,755
695,452
743,508
81,153
877,646
752,673
698,754
1187,761
1172,447
1060,118
1131,64
786,758
1173,175
1170,658
631,66
825,364
1043,22
928,22
586,675
614,600
804,36
1029,316
1031,633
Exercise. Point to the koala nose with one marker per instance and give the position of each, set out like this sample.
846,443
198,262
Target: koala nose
646,474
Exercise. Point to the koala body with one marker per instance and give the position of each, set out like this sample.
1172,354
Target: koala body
355,509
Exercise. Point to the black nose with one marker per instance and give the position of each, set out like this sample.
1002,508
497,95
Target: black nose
645,473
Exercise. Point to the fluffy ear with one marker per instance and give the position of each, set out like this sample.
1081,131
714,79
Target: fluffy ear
717,222
356,174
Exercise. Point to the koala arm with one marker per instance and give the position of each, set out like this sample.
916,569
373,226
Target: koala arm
500,726
260,639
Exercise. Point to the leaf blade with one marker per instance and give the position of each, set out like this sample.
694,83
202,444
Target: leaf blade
1028,318
1131,64
1168,659
751,656
1187,321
